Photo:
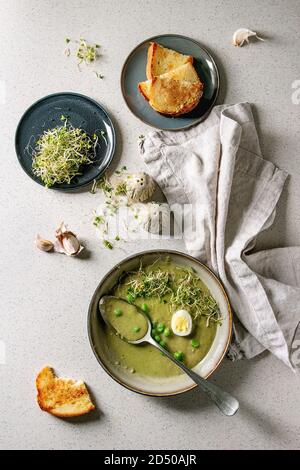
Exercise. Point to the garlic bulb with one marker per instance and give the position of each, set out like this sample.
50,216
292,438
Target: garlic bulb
155,217
242,35
43,244
66,242
139,187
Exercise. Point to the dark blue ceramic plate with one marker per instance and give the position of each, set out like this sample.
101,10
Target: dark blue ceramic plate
82,112
134,71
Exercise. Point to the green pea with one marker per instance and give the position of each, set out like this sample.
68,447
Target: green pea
167,332
130,298
157,338
136,329
163,344
145,308
179,355
153,332
195,343
161,327
118,312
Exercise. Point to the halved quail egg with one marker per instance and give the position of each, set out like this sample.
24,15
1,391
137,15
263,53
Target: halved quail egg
181,323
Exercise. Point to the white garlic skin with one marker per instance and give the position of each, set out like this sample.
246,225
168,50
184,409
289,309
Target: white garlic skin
71,244
66,241
43,244
242,35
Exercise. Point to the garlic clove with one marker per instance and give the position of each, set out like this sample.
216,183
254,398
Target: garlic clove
242,35
43,244
71,244
66,241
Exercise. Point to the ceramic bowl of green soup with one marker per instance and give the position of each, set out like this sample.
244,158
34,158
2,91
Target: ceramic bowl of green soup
189,312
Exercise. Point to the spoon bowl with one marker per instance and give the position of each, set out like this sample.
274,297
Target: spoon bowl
226,403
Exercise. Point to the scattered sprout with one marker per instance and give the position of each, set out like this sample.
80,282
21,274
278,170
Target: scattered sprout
122,170
107,244
98,220
86,52
105,185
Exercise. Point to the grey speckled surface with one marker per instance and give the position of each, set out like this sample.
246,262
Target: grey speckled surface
44,299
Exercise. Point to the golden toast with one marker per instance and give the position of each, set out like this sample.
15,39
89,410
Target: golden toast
174,93
173,86
63,398
162,60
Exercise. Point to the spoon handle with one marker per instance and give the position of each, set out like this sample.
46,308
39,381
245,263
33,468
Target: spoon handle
226,403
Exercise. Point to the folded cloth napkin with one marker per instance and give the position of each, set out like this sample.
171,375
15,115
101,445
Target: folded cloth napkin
217,169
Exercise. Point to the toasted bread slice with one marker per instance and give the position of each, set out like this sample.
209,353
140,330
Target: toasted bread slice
162,60
186,72
64,398
174,93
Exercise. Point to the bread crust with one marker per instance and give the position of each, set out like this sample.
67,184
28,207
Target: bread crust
150,59
142,90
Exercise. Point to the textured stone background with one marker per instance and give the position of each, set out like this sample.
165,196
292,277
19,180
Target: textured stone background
44,299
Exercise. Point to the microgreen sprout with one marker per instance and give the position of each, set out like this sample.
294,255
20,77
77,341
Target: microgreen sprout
185,292
98,220
60,152
86,52
107,244
103,135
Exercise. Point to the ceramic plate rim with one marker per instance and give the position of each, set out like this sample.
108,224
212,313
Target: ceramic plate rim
60,93
111,271
197,121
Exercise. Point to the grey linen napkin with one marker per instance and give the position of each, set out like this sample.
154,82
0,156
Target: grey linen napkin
217,169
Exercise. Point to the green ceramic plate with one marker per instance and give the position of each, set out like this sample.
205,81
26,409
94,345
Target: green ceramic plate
134,71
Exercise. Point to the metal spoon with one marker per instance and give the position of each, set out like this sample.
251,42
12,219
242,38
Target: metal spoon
227,404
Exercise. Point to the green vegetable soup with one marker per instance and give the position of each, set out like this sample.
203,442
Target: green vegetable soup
160,290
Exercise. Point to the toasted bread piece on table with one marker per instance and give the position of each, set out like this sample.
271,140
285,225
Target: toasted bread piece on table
161,60
64,398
